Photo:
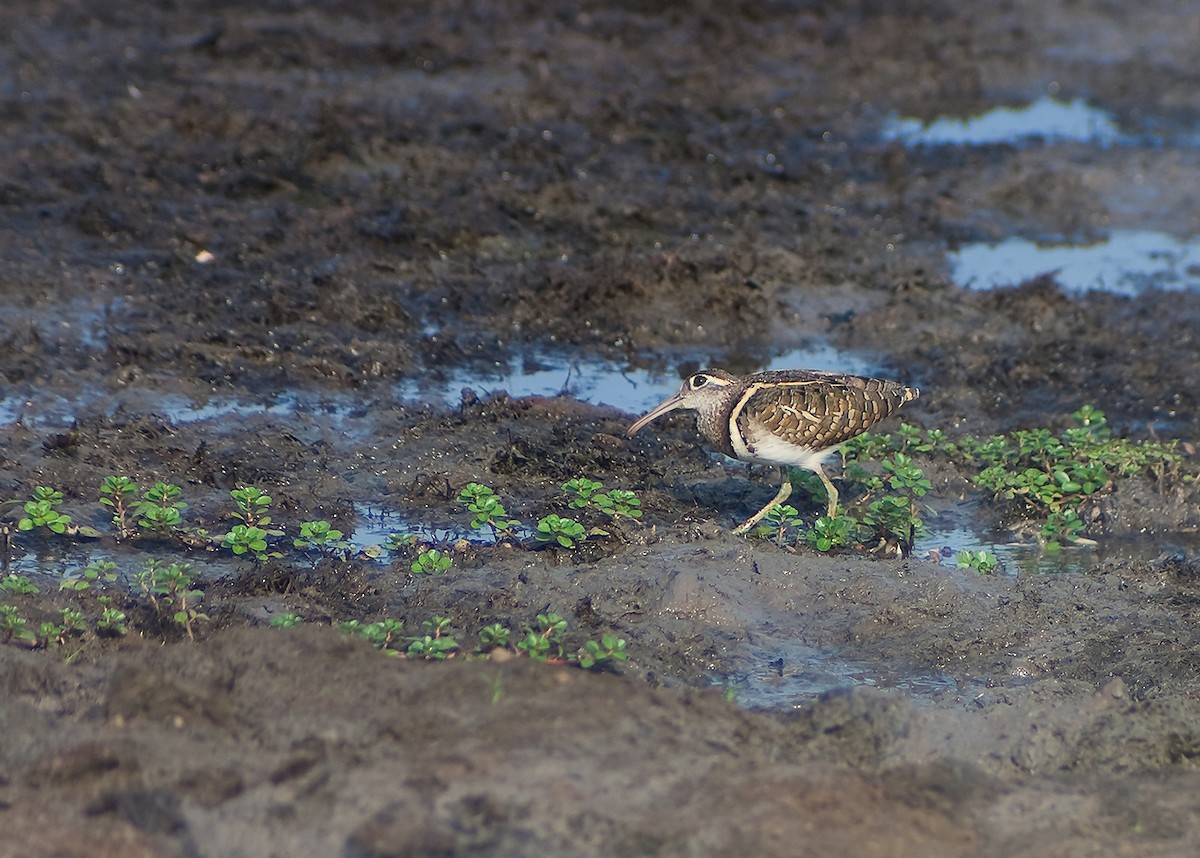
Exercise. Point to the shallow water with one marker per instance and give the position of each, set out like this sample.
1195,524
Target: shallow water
374,525
593,380
603,382
1126,263
781,674
1044,119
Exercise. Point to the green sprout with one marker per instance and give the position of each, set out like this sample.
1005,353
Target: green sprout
160,511
321,538
893,518
384,635
94,574
251,504
17,584
13,626
49,635
169,589
1061,527
595,654
400,541
828,533
245,539
487,510
779,519
583,489
436,642
618,503
544,641
42,511
112,621
983,562
494,636
116,493
431,562
73,621
566,532
285,621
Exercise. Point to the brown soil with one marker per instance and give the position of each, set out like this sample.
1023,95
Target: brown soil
322,201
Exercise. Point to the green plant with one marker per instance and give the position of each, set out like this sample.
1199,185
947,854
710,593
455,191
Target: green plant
13,626
160,520
42,511
169,589
984,562
73,621
583,489
251,505
321,538
245,539
431,562
436,642
869,445
251,535
386,634
618,503
828,533
608,649
808,483
94,574
1053,475
160,511
487,510
544,640
400,541
777,522
112,621
904,476
285,621
1062,526
494,636
49,635
564,531
115,493
17,584
893,518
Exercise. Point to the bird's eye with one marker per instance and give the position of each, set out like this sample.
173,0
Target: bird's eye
698,381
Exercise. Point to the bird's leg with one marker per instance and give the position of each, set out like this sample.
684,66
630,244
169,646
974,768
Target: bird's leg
831,511
785,489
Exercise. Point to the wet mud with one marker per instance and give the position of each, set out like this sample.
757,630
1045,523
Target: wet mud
247,246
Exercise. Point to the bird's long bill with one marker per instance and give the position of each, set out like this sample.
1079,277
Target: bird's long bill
658,411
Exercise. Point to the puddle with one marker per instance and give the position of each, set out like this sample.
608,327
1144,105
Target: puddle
1015,558
786,675
180,409
1126,263
956,531
1044,119
596,381
603,382
52,562
44,408
374,525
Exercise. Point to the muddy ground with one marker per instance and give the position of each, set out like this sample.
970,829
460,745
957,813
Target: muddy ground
325,201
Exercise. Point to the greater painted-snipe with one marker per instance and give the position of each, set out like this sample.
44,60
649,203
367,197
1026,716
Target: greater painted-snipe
791,418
